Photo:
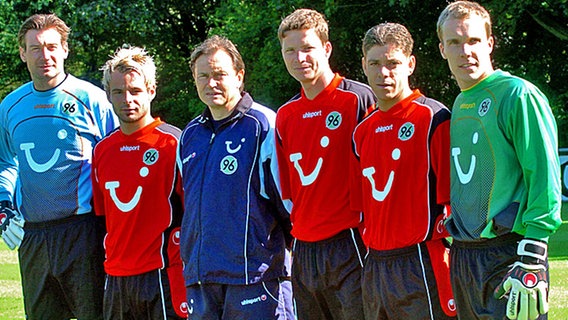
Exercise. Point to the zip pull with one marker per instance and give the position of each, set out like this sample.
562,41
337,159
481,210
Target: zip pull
212,138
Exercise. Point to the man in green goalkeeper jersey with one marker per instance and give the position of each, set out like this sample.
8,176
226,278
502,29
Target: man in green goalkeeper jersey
505,177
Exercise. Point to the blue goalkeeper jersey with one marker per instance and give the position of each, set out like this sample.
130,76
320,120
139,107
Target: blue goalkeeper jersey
46,144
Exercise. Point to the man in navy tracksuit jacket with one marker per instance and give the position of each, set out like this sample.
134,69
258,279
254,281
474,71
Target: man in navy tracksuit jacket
235,226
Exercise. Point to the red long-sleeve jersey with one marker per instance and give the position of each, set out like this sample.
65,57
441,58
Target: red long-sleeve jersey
404,172
315,157
136,186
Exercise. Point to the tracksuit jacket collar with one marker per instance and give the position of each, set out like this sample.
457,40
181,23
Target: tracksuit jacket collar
238,112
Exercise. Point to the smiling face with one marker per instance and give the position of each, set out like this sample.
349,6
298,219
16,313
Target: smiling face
387,69
467,47
44,56
218,83
131,100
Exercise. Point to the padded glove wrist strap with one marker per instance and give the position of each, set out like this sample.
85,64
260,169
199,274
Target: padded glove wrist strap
532,251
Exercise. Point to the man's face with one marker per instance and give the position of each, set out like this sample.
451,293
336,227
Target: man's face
467,48
305,56
130,98
387,69
44,56
218,83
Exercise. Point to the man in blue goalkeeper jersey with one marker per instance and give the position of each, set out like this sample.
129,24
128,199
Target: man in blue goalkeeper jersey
48,128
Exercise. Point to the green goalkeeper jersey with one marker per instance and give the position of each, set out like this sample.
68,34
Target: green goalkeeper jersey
505,172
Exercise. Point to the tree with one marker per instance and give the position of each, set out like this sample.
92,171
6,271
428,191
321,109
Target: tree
166,28
531,43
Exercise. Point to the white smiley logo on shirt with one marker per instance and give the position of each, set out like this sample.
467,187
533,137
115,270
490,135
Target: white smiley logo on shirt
380,195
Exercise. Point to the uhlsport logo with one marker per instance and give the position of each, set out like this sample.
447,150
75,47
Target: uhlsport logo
191,156
381,129
311,114
3,217
129,148
253,300
452,304
530,280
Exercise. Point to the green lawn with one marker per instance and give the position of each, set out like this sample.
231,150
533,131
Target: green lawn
11,304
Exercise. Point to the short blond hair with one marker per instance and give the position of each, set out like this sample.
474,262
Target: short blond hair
304,19
462,10
128,59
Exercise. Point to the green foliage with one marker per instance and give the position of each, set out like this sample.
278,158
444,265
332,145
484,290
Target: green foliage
532,42
255,33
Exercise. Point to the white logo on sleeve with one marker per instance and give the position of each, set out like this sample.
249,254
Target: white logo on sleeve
187,307
465,178
310,178
42,167
380,195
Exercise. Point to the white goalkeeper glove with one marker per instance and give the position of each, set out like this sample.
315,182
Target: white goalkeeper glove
11,225
525,285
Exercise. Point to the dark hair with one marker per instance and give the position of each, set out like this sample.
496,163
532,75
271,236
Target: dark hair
388,33
212,45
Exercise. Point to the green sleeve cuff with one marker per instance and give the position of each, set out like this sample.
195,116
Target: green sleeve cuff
538,233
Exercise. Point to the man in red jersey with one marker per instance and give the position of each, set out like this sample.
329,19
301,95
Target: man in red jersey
403,150
136,186
314,154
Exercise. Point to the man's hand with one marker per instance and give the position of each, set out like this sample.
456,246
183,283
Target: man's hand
526,284
11,225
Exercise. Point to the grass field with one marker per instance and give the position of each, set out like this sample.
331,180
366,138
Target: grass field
12,306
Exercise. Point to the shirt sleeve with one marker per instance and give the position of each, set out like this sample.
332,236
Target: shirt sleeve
8,161
355,178
98,197
270,180
533,130
440,157
283,168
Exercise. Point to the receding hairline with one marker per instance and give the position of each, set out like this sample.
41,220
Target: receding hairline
462,10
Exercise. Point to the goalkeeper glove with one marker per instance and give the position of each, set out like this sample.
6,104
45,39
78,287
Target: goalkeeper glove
11,225
526,284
